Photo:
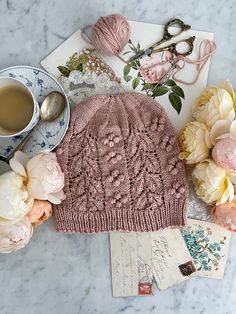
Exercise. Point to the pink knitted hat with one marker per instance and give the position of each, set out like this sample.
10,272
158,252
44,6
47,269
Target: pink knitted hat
121,165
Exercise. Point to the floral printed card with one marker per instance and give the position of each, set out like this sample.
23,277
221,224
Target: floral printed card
208,245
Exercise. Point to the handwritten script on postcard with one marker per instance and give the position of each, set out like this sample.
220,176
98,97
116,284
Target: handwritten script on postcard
171,260
131,264
170,256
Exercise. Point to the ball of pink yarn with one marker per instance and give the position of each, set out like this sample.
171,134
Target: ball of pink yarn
110,34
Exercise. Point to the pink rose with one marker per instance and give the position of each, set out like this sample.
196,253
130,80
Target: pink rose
225,215
152,71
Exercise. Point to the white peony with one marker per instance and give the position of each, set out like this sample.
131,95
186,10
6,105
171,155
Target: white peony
14,199
215,103
43,174
194,142
14,236
212,184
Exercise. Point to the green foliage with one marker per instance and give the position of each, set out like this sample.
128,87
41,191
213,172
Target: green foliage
126,69
78,61
127,78
135,82
160,90
175,101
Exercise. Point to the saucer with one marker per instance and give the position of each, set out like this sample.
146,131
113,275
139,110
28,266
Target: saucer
48,135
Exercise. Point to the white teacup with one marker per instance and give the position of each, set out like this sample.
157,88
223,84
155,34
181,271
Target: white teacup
9,82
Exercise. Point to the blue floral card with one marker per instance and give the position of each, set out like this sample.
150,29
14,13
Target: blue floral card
208,245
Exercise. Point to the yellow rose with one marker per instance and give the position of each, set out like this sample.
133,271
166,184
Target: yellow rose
194,142
212,184
215,103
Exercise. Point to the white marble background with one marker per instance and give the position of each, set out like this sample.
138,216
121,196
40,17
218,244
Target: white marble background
70,274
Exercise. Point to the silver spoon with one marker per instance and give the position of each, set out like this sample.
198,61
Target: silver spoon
52,107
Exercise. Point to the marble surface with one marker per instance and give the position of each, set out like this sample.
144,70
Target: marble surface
70,274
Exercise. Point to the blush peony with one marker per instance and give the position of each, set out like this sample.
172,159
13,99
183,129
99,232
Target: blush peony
225,215
43,175
40,212
14,236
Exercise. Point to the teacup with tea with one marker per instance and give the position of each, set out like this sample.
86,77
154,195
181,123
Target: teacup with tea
19,110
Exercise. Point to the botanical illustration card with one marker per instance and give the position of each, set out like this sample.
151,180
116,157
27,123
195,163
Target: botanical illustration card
143,34
171,260
131,264
208,244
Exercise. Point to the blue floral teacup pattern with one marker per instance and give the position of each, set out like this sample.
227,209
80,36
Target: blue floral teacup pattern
48,135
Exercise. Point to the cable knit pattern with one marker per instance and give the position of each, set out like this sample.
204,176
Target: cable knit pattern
120,159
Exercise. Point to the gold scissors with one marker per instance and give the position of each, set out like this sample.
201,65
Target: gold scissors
168,34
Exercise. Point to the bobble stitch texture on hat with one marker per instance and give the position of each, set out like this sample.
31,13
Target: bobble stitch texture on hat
115,178
157,124
119,173
177,190
167,143
111,139
174,165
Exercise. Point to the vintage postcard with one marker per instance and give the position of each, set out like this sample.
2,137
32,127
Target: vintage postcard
171,260
131,264
144,255
208,244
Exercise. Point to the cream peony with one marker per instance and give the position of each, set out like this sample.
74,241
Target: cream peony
215,103
212,184
14,236
222,129
14,199
194,142
43,174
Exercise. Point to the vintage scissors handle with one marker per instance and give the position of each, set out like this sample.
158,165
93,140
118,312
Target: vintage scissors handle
167,36
173,47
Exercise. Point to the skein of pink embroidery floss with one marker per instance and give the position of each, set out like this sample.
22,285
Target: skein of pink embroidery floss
110,34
